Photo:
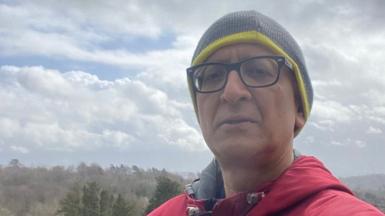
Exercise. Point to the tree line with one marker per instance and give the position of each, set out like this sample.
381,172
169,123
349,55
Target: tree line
84,190
90,190
92,200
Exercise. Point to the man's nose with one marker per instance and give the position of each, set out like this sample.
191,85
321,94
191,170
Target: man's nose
235,90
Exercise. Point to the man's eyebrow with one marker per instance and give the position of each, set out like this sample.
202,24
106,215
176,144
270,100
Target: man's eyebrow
227,60
224,61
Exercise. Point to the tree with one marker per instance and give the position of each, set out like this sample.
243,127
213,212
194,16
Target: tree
71,204
15,163
90,199
165,189
105,204
121,207
94,201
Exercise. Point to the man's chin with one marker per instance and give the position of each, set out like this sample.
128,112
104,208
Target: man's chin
238,150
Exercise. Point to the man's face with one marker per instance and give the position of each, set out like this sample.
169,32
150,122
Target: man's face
241,122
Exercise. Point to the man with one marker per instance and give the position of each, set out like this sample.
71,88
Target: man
252,95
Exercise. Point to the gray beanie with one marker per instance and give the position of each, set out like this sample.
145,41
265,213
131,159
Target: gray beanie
253,27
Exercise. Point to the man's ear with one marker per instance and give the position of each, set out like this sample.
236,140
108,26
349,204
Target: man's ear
299,121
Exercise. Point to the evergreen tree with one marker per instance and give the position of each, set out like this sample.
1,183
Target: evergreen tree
71,204
165,189
121,207
90,199
105,204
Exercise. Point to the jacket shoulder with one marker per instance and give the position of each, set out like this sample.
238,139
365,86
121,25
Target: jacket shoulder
174,207
334,202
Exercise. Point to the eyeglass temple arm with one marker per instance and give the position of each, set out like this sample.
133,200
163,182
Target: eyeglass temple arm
288,64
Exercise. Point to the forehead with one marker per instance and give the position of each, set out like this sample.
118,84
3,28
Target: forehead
237,52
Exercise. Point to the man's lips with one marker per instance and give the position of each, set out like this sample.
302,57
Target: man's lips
236,120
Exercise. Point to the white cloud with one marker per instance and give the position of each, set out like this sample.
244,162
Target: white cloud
336,143
332,110
117,139
19,149
324,125
75,110
326,83
373,130
360,143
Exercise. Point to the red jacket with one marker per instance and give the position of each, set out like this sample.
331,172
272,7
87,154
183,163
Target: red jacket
305,188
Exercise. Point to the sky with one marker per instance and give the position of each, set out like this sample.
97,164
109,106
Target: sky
104,81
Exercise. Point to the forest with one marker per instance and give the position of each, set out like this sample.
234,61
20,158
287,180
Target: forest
84,190
91,190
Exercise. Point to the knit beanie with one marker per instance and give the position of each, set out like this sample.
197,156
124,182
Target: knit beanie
254,27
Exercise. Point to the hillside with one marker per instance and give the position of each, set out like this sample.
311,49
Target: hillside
40,191
37,191
367,182
370,188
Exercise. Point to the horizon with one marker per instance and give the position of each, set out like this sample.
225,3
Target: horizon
181,173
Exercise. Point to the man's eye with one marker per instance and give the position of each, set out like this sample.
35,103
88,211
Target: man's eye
213,75
257,72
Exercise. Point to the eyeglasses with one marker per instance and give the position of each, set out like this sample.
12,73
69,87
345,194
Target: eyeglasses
255,72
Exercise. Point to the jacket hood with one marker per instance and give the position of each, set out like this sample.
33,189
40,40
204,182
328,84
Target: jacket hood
210,183
307,176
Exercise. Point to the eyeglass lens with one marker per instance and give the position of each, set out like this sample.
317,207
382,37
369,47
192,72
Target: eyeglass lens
254,73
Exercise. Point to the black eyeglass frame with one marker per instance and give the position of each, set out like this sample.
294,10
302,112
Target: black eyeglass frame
280,60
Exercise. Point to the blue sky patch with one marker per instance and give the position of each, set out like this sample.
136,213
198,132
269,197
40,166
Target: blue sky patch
140,44
103,71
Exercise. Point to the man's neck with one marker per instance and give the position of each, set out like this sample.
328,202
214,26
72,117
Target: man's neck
247,177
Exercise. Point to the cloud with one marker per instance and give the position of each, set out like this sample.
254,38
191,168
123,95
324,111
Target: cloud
373,130
360,144
337,143
19,149
47,109
332,110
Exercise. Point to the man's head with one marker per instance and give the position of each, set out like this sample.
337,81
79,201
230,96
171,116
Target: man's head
244,107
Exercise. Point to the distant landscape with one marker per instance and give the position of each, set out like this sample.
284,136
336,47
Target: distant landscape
370,188
89,189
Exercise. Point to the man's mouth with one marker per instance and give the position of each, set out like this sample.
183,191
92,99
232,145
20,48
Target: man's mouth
233,121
